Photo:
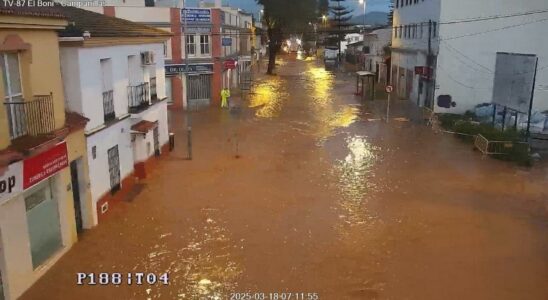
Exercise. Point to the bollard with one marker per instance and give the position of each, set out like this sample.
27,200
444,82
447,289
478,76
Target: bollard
171,141
189,142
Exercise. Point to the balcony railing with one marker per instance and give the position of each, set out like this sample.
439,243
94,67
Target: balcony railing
108,106
33,117
138,97
153,94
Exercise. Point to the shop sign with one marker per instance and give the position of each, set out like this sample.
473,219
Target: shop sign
45,164
11,181
195,15
226,41
231,64
182,68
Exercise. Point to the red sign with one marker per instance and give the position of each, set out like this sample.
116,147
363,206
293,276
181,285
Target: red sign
425,72
231,64
389,89
45,164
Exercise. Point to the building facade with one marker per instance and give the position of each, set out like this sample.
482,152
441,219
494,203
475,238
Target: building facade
375,44
114,76
449,49
44,197
204,52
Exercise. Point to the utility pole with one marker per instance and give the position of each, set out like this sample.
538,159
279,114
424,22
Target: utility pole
429,62
187,114
531,102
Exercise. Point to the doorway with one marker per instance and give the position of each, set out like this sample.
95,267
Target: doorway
156,137
198,93
114,169
76,195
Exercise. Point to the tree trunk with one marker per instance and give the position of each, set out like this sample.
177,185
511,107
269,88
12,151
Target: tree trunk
272,51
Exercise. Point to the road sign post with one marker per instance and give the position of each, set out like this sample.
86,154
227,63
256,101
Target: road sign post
389,90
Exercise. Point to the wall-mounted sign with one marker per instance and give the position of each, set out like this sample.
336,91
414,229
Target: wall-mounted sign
45,164
231,64
226,41
11,182
183,68
197,29
195,15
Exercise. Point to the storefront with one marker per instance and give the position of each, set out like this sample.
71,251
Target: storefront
197,83
34,218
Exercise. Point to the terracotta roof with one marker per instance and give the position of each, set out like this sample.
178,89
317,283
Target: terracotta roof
99,25
80,20
143,126
75,121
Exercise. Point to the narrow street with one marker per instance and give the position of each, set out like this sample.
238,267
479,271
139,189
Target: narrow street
306,190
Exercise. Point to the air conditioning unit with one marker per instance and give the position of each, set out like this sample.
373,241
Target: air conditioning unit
147,58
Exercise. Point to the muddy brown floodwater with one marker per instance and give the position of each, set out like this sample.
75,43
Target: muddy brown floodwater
325,198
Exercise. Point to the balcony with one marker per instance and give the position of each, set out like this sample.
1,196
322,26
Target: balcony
138,97
108,106
32,117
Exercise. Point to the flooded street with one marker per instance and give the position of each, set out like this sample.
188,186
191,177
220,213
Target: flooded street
305,190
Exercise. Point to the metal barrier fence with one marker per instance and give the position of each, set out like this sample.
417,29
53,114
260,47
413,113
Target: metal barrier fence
488,147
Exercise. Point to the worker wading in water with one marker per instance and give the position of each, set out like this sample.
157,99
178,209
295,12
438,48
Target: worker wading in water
225,94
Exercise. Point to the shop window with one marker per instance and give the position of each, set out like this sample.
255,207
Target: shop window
43,223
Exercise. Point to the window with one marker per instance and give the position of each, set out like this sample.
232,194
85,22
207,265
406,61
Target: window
421,30
434,29
12,77
43,223
204,44
190,45
9,62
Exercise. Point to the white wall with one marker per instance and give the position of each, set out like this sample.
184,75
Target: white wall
466,65
70,72
86,95
157,112
117,134
144,14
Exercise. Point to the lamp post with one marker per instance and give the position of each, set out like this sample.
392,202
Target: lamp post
364,2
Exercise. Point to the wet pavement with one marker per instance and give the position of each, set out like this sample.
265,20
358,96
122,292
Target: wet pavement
304,190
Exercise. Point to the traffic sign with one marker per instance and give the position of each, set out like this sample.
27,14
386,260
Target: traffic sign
389,89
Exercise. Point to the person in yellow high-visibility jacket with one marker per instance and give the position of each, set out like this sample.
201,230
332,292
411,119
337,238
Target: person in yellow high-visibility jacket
225,94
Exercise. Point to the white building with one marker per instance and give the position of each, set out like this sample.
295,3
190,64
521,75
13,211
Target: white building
114,76
375,43
463,38
350,38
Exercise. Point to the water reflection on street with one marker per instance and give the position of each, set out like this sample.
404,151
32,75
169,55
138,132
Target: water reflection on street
321,200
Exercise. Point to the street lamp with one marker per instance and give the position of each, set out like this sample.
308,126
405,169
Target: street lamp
364,2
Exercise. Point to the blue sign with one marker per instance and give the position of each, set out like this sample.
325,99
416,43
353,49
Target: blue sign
182,68
227,41
195,15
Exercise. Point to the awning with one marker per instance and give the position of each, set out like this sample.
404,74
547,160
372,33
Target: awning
365,73
142,127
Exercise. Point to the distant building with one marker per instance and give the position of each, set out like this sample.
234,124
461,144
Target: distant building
209,47
449,48
375,43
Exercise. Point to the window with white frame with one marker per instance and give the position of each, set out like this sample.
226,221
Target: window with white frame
204,44
12,77
191,45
